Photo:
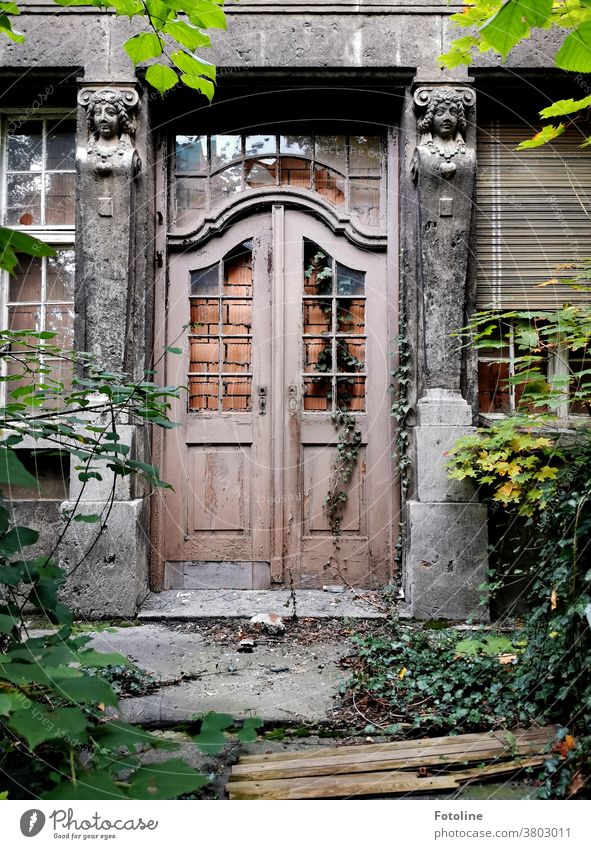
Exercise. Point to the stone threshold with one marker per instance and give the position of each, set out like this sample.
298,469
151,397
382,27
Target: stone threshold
185,605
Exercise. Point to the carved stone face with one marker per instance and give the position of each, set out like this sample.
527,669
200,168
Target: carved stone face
445,120
106,120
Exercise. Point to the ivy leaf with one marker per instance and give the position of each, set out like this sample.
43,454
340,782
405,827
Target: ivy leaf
565,107
575,53
7,623
146,45
193,66
211,738
248,732
546,134
513,21
85,690
200,83
123,735
12,470
187,35
97,659
88,785
161,77
202,13
172,350
10,702
167,780
127,7
7,30
38,724
18,538
13,242
91,518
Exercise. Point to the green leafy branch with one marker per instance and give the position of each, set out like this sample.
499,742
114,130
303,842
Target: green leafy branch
175,30
500,25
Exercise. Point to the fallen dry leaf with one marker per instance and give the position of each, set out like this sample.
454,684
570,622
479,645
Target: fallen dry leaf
564,747
577,783
553,599
507,658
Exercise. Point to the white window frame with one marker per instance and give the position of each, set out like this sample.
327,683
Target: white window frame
557,367
56,235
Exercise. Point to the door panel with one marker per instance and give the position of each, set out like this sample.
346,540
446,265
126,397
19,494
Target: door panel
281,325
337,354
218,459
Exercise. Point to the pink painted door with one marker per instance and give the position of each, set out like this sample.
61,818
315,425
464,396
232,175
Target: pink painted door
281,324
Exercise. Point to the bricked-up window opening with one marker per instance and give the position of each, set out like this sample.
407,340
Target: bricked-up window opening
220,340
334,338
346,171
38,197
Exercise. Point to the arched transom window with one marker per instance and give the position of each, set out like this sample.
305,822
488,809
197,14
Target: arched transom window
345,170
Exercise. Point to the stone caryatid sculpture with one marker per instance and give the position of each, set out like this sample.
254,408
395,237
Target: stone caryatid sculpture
446,543
443,168
108,169
111,131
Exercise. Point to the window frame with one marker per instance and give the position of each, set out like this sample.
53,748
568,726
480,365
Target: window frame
557,366
55,235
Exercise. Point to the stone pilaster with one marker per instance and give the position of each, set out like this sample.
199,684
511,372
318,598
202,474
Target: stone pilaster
108,169
108,577
445,556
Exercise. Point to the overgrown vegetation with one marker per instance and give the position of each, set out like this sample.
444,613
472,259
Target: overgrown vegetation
500,25
60,733
173,29
536,467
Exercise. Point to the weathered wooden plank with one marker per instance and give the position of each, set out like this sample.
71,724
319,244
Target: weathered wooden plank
370,784
326,787
370,762
469,741
480,772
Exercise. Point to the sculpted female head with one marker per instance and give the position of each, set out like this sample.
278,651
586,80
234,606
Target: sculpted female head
445,115
107,115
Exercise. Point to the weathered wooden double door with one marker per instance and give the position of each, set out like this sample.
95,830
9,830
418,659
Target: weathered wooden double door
281,324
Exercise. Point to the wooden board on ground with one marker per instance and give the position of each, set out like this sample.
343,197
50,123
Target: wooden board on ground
405,767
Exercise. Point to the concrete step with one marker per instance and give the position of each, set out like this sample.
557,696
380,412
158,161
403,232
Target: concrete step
184,605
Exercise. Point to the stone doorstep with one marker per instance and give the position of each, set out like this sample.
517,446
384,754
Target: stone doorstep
173,605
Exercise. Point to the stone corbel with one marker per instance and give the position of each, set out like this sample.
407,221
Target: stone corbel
111,121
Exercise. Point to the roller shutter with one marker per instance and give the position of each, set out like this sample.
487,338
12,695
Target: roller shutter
534,215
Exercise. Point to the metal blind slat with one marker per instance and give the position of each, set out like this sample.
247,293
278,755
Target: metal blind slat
533,215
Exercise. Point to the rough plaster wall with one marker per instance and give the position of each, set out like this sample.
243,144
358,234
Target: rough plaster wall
383,35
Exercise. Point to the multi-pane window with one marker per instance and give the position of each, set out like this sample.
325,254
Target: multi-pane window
38,197
533,216
334,339
346,171
220,340
40,172
548,366
40,296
